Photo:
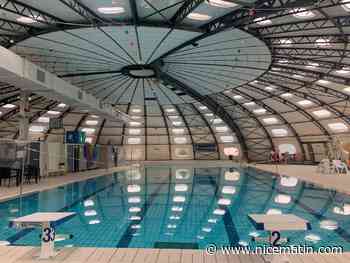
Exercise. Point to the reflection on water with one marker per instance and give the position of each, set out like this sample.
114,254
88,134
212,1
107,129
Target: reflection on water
182,207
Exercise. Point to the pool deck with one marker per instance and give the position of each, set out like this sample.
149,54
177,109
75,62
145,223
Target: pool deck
308,173
131,255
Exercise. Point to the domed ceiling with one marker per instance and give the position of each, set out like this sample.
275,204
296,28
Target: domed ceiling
246,74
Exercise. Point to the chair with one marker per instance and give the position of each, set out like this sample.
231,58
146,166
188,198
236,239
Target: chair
324,166
31,172
7,173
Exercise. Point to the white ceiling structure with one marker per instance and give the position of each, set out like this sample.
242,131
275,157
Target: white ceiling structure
251,74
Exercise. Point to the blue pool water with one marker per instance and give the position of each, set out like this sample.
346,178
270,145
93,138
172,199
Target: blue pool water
180,207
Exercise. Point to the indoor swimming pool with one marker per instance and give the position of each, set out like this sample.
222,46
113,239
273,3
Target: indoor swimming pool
181,207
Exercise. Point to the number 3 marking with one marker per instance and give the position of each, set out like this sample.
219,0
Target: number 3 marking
49,235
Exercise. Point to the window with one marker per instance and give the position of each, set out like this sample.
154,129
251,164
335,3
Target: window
321,113
279,132
287,148
134,140
270,120
233,151
227,138
180,140
338,127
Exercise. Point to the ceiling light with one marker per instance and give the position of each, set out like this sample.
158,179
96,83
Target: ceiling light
88,130
262,21
61,105
227,138
279,132
9,106
259,111
343,71
305,103
283,61
181,188
28,20
322,113
286,95
198,16
44,119
312,65
251,103
221,3
302,13
346,5
283,199
53,112
270,120
323,81
111,10
133,188
134,131
178,131
136,110
180,140
134,209
221,129
173,117
237,97
91,122
134,140
322,42
338,127
269,88
347,90
230,190
170,110
203,107
134,123
94,116
35,128
177,123
286,42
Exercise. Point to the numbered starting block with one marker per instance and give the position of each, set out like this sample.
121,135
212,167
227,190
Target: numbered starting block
47,222
274,224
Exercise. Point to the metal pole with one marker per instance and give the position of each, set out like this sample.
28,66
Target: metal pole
23,136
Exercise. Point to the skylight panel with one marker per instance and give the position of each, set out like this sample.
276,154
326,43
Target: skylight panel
134,140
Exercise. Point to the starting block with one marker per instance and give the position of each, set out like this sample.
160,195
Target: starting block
47,222
274,224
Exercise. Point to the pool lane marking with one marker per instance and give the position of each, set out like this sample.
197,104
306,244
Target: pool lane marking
230,227
127,236
24,232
